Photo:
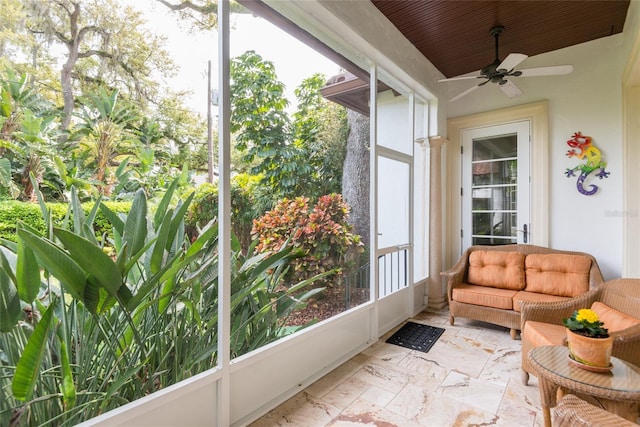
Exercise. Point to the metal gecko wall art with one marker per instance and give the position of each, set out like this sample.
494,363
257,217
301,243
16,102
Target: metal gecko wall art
582,147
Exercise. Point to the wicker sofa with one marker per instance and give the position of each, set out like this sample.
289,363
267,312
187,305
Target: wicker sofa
617,303
489,283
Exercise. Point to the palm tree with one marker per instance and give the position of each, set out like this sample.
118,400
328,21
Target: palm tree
105,132
26,130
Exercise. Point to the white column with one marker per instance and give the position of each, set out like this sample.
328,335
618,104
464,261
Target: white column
224,219
437,294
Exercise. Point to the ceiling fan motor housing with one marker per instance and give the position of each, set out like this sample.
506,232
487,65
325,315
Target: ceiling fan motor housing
491,71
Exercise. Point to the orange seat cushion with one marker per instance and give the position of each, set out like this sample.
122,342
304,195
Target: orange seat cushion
557,274
524,296
540,333
485,296
504,270
613,319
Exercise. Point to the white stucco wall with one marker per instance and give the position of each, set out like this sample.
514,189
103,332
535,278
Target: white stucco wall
631,126
590,101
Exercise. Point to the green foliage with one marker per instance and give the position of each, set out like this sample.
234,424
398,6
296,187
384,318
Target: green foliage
186,131
103,43
104,131
113,149
203,209
320,130
26,133
245,207
12,212
247,204
34,137
323,234
8,189
299,157
260,305
261,123
93,332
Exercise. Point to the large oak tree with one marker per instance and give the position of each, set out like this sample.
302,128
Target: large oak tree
102,43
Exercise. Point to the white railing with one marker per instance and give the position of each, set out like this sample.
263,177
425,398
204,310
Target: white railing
393,264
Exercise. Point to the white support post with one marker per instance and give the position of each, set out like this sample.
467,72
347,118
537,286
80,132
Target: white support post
224,218
411,257
373,197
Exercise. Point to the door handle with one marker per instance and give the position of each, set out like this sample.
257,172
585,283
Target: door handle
525,233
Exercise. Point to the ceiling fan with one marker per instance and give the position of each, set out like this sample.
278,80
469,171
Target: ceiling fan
498,71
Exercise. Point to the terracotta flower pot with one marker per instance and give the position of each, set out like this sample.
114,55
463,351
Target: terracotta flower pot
590,351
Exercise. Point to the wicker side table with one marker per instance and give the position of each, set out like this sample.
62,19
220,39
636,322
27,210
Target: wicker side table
618,391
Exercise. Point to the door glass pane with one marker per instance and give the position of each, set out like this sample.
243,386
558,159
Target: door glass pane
495,147
494,190
495,172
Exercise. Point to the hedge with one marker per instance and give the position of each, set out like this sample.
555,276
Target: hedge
29,213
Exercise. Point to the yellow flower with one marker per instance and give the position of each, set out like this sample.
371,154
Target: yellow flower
586,322
587,315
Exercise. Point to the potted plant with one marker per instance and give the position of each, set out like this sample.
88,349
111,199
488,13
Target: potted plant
588,340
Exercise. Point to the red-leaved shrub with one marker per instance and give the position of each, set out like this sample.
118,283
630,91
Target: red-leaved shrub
323,234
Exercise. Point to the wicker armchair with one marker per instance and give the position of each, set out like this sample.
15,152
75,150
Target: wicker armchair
572,411
622,295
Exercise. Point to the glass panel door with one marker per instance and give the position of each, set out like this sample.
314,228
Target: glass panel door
495,164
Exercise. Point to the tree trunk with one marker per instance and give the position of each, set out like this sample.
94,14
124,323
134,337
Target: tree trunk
355,175
73,46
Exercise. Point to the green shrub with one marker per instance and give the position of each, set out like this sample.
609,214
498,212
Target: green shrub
245,207
30,214
203,209
12,212
101,224
323,234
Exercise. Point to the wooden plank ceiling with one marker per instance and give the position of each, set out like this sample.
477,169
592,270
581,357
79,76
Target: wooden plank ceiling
454,34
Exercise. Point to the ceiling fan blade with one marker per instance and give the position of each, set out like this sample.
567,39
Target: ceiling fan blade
510,89
466,92
554,70
512,61
460,78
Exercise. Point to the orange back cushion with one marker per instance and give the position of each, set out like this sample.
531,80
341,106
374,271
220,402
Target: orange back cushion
613,319
557,274
504,270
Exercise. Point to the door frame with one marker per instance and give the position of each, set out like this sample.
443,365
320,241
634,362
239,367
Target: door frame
631,154
537,114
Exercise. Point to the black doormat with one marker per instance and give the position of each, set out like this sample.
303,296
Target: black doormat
416,336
